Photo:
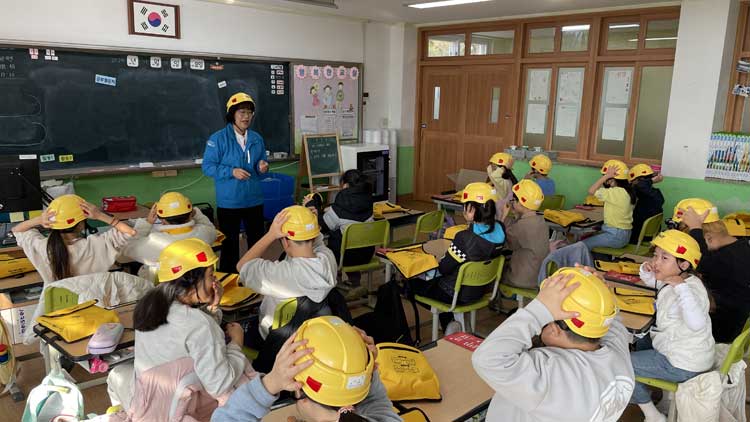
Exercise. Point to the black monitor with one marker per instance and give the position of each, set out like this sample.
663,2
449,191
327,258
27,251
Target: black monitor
20,188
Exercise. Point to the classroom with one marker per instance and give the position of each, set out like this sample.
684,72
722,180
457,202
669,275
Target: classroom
381,210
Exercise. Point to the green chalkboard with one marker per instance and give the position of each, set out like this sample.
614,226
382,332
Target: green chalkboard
323,155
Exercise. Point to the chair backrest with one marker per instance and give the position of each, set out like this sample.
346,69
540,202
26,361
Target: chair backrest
58,298
284,313
651,227
362,235
737,351
553,202
479,273
551,267
429,223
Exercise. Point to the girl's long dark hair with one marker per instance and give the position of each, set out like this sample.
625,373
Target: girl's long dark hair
484,213
57,253
628,188
152,309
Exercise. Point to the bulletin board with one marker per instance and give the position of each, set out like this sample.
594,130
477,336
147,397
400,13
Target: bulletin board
327,99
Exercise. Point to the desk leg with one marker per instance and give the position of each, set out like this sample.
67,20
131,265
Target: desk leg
45,350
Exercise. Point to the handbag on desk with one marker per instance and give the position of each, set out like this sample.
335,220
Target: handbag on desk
77,322
233,292
563,217
406,374
412,261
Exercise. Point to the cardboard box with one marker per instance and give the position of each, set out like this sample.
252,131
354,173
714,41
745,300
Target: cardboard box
18,321
466,176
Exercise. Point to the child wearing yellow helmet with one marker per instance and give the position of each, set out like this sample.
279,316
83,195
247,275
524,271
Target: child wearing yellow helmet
330,367
177,335
681,345
308,270
619,200
500,173
481,241
723,270
649,200
586,345
172,218
67,251
541,165
527,235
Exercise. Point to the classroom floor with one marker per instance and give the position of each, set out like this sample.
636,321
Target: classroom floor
96,399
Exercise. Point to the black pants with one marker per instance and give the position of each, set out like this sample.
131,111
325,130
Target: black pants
229,224
727,322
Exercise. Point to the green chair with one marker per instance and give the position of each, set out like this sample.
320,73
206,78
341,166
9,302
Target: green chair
426,223
523,293
736,353
281,316
58,298
480,273
651,227
553,202
363,235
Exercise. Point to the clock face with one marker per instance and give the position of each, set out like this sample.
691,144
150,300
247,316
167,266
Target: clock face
154,19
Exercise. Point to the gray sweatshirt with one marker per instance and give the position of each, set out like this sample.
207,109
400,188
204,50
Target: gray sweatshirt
550,383
251,402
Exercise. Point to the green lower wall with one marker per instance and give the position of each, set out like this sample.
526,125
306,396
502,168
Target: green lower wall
572,181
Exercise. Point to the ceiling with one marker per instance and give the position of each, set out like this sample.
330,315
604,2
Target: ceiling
395,11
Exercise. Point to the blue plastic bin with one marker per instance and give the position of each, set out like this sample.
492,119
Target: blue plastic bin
278,193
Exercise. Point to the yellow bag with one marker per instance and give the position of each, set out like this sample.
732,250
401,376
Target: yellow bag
79,321
412,261
624,267
630,292
642,305
593,201
219,239
380,208
413,414
10,266
406,374
563,217
233,292
450,232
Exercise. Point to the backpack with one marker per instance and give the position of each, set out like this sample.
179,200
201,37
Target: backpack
54,397
387,323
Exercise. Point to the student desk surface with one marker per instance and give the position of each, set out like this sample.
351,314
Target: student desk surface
464,393
76,351
595,218
446,202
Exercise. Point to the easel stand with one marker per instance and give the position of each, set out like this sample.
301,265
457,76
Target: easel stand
320,159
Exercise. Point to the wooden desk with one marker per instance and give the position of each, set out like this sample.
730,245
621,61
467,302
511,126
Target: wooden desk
636,323
594,215
446,202
464,393
76,351
22,280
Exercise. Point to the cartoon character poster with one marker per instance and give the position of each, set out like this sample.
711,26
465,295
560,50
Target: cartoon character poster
326,99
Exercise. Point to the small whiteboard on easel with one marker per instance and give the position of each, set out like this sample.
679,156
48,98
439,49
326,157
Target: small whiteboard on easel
321,157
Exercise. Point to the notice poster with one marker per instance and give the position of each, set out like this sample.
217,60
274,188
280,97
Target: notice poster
613,127
539,85
326,100
566,120
618,86
536,118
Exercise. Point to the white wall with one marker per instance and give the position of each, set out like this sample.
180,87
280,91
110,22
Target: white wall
699,84
377,63
205,28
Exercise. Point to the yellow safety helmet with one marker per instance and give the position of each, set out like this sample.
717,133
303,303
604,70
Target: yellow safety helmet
735,227
479,192
502,159
622,169
698,205
302,223
172,204
640,170
680,245
594,302
541,163
68,211
342,367
529,194
182,256
239,98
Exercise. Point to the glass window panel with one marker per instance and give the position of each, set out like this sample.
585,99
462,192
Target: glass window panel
568,108
662,33
449,45
436,104
623,36
575,38
542,40
536,107
495,108
651,120
495,42
613,114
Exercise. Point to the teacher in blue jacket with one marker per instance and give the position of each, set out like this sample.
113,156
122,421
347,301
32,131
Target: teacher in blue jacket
235,157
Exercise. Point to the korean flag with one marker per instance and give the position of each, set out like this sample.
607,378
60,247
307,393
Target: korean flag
155,19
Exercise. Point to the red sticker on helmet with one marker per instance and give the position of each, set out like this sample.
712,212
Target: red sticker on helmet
679,213
681,249
161,211
523,199
604,169
176,269
500,160
201,257
466,195
644,172
533,163
632,174
234,100
577,322
290,232
313,384
70,220
517,188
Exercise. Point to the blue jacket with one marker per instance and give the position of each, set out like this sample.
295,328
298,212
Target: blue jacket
222,155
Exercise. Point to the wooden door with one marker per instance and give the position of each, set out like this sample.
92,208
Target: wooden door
488,124
441,124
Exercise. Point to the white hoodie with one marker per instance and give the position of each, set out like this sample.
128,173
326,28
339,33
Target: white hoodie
549,383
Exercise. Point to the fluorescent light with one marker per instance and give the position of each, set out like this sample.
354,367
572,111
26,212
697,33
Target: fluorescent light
571,28
661,39
626,25
427,5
